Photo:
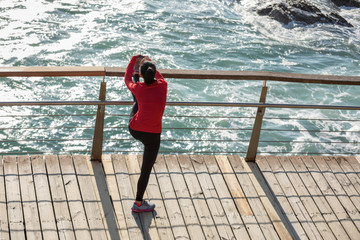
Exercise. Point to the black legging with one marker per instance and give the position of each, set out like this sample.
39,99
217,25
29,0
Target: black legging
151,143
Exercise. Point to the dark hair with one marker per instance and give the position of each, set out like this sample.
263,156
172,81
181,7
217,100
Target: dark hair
148,71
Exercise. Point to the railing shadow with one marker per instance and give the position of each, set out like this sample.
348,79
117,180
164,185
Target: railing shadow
143,221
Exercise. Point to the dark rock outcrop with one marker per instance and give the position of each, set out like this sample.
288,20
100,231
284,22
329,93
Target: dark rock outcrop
301,11
346,3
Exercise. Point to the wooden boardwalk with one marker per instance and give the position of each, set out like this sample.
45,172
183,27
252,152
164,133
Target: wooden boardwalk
196,197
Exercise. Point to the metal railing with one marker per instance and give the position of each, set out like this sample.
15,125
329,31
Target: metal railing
98,136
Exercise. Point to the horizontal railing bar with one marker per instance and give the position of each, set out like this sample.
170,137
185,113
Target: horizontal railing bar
51,71
50,115
43,128
187,116
49,152
234,152
174,128
247,75
46,140
171,140
179,73
313,119
203,104
240,129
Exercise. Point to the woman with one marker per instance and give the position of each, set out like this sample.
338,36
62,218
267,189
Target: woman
145,118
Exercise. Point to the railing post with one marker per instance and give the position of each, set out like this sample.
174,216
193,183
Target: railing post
96,151
255,135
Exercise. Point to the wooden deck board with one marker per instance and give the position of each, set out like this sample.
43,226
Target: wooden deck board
266,217
88,195
324,208
170,201
13,198
330,196
115,196
306,199
338,189
127,196
279,194
44,198
226,200
184,200
4,224
242,203
160,215
294,200
196,197
28,197
75,202
212,199
61,209
146,219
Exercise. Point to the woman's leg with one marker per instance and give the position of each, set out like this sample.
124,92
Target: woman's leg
134,109
151,143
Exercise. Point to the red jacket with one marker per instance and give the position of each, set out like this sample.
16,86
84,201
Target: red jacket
151,100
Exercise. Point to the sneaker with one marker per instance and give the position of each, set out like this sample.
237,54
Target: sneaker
144,207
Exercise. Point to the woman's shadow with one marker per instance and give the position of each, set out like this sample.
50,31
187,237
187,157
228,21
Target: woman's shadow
143,220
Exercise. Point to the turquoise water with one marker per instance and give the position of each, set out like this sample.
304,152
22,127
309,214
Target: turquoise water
202,34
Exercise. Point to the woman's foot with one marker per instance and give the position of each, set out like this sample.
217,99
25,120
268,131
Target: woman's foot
143,207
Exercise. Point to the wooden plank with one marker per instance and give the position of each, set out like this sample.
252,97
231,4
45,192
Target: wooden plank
13,198
126,195
171,204
226,200
4,224
46,210
344,181
97,175
306,199
258,188
115,196
253,198
76,207
331,197
240,199
349,171
246,75
329,214
149,227
29,202
355,164
211,197
51,71
293,198
286,209
197,196
61,209
184,200
90,201
338,190
160,215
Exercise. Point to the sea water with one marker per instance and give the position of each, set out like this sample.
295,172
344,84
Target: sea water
196,34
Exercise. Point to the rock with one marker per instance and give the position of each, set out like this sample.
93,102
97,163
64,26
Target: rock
301,11
346,3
